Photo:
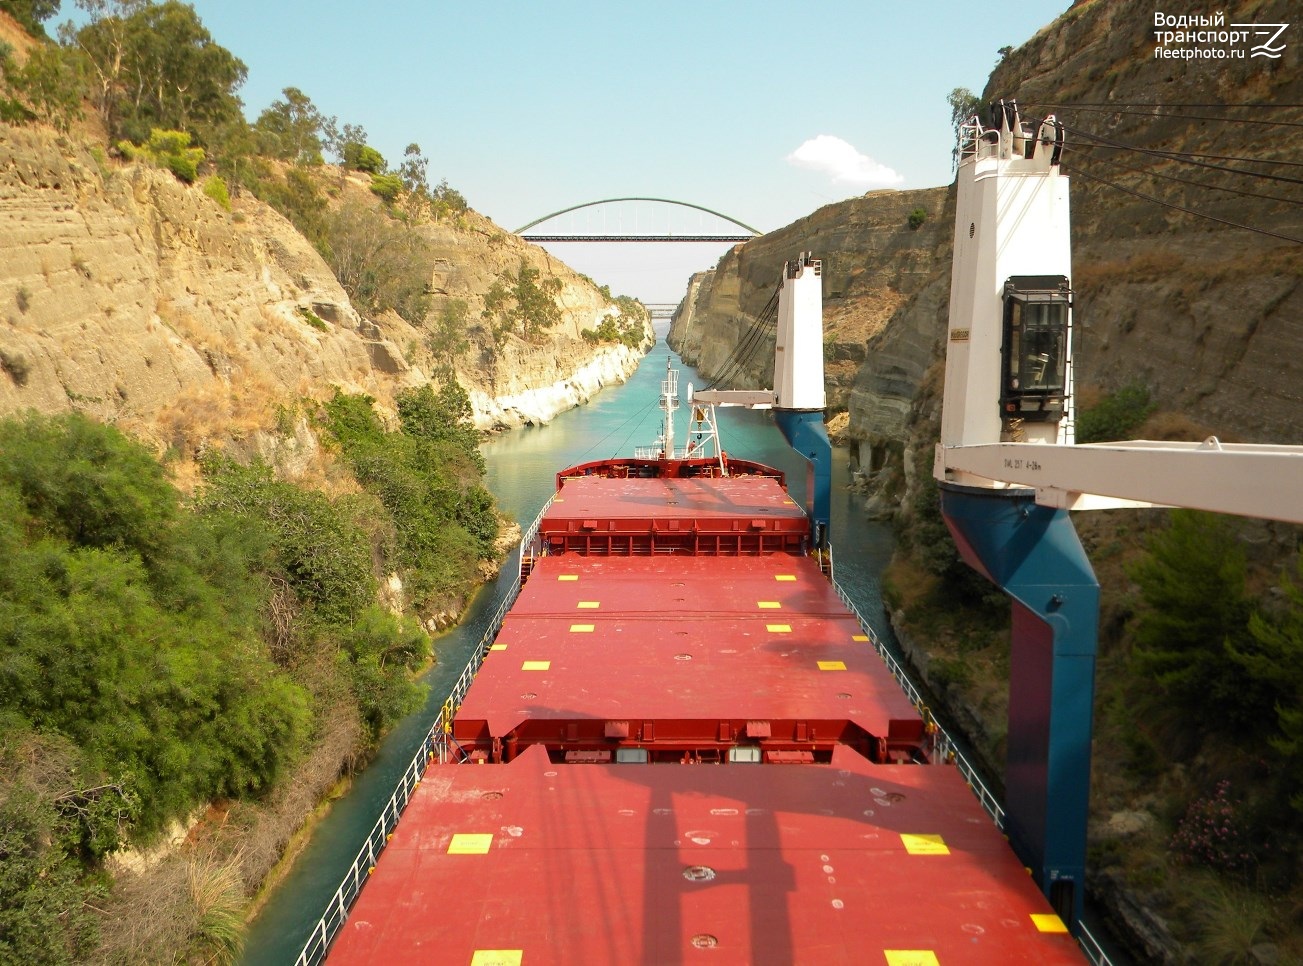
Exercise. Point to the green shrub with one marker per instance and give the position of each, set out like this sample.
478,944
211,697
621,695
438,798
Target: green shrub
167,149
1116,416
363,157
916,218
132,628
427,476
312,318
215,188
387,186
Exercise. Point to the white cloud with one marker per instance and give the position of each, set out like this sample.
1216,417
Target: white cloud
843,163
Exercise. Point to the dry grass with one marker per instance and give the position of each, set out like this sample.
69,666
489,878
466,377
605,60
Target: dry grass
217,411
1173,427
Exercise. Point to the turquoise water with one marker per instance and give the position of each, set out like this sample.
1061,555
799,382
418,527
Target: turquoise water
521,470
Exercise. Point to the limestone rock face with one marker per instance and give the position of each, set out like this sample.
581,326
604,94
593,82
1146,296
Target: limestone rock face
139,300
513,381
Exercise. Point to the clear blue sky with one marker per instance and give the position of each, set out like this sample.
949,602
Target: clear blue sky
530,106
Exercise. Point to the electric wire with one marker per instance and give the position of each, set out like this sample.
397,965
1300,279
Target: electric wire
1215,157
743,353
639,415
1187,181
1188,211
1123,146
747,346
1181,117
1254,104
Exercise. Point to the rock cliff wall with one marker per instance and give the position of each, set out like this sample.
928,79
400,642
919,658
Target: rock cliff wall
514,382
139,300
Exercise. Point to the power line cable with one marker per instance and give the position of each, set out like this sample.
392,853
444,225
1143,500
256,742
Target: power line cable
749,343
1188,211
1215,157
1183,117
1196,184
1254,104
1123,146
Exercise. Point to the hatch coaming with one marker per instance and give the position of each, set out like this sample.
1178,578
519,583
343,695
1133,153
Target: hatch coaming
678,515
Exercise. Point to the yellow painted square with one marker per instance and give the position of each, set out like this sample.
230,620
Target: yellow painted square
926,844
1048,922
785,577
567,577
589,604
832,665
582,628
911,957
497,957
497,647
769,605
859,637
779,628
536,665
470,843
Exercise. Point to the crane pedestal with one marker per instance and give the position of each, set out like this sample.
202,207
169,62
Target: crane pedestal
1033,554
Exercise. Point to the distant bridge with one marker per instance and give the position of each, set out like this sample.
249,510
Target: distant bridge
621,234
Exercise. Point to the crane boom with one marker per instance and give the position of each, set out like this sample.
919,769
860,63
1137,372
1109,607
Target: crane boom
1244,479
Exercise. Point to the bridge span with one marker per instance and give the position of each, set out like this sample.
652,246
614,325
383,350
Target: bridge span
658,234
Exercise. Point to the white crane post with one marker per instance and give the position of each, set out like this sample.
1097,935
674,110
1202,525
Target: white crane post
1008,366
798,351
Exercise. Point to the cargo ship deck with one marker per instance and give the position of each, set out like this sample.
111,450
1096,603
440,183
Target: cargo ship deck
683,747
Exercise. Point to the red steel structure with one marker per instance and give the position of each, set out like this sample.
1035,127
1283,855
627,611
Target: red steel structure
683,747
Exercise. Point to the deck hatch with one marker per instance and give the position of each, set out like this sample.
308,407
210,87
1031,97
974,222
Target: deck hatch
617,729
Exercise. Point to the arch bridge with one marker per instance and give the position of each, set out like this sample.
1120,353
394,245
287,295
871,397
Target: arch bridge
655,229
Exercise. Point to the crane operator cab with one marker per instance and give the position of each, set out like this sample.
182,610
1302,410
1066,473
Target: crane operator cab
1034,350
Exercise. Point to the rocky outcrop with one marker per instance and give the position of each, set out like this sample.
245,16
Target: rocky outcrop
513,381
536,400
141,301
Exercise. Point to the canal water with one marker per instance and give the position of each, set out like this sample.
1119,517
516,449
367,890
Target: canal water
521,473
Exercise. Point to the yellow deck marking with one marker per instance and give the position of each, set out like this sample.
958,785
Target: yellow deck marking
497,957
779,628
911,957
924,844
832,665
582,628
1048,922
567,577
470,843
784,576
497,647
536,665
589,604
859,637
769,605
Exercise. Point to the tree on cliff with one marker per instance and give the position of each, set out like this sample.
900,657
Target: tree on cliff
31,14
291,129
520,303
156,66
